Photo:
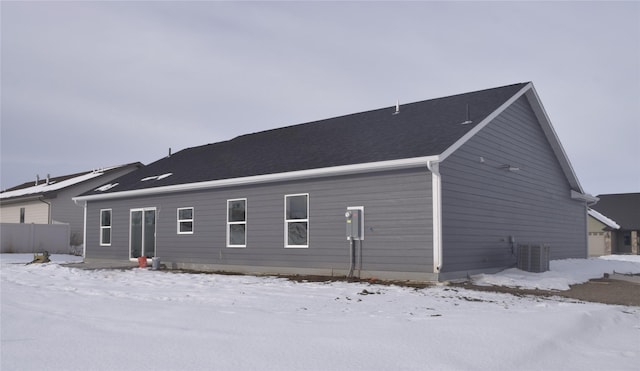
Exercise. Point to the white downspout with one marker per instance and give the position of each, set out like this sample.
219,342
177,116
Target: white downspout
49,217
84,233
436,189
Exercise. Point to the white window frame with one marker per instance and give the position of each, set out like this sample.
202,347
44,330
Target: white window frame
287,221
103,227
230,223
192,220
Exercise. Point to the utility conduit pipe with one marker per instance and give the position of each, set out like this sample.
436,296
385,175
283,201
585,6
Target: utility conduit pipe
352,253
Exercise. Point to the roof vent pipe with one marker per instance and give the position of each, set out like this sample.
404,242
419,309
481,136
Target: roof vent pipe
169,152
468,120
37,179
397,107
48,178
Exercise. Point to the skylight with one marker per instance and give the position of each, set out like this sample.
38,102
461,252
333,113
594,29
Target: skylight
106,187
156,177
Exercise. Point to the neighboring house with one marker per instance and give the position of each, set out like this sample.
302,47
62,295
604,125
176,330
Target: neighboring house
600,230
624,208
48,200
436,189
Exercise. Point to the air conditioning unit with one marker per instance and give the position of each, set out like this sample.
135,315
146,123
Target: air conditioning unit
533,258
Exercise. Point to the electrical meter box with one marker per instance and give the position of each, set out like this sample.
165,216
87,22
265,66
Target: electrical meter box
355,222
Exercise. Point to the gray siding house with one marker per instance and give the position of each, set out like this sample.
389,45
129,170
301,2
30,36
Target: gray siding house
49,200
435,190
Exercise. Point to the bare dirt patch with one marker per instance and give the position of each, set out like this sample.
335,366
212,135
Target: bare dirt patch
602,290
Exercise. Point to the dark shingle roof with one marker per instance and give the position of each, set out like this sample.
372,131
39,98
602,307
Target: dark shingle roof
57,183
623,208
420,129
55,179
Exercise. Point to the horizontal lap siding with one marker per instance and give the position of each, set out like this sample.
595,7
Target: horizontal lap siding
35,212
483,204
119,248
397,224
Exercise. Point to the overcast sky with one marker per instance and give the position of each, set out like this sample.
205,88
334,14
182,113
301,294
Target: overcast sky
92,84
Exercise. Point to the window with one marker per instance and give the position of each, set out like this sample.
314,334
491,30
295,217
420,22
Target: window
296,220
105,227
22,215
237,223
185,220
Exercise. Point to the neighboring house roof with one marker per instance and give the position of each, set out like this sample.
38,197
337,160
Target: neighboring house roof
603,219
48,188
420,133
624,208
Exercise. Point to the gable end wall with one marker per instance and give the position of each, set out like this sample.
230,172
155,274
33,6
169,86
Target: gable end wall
483,203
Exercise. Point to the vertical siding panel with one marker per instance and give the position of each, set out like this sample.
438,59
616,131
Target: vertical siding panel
484,203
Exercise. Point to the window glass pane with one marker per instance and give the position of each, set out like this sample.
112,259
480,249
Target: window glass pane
186,226
106,236
297,233
237,211
149,233
105,219
237,235
297,207
136,233
185,214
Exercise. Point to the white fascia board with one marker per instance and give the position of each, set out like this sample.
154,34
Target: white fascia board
534,101
579,196
552,137
455,146
22,199
292,175
603,219
44,187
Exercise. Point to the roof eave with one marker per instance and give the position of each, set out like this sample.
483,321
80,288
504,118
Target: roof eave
554,141
610,223
23,198
580,196
267,178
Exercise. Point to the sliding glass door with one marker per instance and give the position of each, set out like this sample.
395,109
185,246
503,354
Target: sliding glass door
142,235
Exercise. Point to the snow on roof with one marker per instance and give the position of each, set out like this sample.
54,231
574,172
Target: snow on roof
603,219
44,187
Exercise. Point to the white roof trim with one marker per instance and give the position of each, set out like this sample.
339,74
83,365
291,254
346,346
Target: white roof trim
455,146
584,197
301,174
552,137
603,219
545,123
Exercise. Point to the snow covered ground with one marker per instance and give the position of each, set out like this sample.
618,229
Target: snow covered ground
59,318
